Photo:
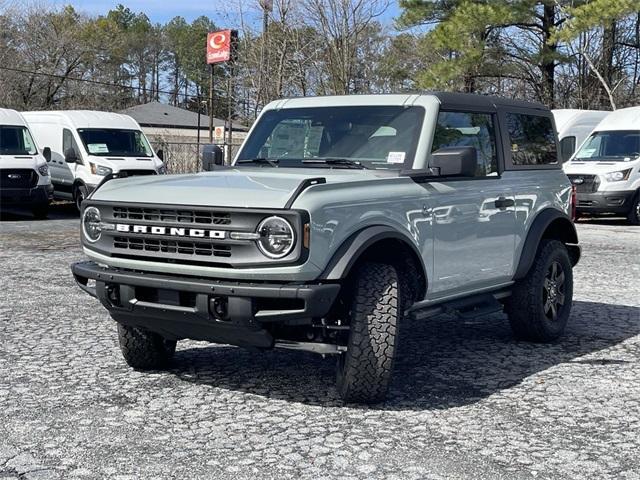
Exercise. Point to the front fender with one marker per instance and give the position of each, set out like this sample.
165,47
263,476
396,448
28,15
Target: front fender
354,247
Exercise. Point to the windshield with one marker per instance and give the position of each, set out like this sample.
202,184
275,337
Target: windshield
374,136
615,145
109,142
16,141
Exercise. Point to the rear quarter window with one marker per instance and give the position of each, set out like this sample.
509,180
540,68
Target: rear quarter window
532,140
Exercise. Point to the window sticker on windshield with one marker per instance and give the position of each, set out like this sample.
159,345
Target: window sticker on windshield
98,148
395,157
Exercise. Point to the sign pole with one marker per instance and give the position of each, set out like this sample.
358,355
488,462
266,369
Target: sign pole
210,112
230,111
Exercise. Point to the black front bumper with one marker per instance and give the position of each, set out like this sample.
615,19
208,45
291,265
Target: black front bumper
605,202
203,309
38,195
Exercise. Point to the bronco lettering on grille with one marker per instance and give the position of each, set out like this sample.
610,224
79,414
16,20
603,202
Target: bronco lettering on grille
172,231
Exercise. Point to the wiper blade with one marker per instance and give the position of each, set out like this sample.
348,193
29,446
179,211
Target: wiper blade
342,162
263,161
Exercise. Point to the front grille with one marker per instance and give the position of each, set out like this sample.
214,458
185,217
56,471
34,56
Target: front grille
18,178
136,173
182,247
585,183
172,216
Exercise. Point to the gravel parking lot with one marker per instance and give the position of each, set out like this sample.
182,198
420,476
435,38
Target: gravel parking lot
467,402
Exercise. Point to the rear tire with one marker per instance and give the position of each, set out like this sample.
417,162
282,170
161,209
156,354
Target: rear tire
80,193
633,218
540,303
364,370
145,350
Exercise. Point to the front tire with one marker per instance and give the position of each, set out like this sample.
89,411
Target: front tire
364,370
79,195
145,350
633,218
540,303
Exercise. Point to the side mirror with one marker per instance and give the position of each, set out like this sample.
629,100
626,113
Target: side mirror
70,155
212,156
455,161
46,153
160,154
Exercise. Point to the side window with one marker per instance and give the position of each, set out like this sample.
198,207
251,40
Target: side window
532,139
567,147
462,129
68,142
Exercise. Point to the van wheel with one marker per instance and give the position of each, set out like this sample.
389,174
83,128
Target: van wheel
633,218
40,212
364,370
145,350
80,193
540,303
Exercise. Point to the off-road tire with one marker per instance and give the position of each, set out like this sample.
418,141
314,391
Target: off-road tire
527,306
80,193
633,218
40,212
144,350
364,370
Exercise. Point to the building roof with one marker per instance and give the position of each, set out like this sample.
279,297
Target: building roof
156,114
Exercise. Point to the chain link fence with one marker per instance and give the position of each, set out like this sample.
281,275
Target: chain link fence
185,157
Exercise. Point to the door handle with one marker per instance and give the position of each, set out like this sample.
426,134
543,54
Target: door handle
502,203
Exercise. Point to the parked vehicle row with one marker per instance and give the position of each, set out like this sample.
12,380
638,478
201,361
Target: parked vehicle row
66,154
606,167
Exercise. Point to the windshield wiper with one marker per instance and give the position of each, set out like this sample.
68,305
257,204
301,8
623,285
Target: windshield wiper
262,161
341,162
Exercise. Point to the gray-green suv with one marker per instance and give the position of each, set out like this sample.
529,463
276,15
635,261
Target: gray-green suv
340,217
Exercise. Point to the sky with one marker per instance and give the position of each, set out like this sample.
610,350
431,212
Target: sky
223,12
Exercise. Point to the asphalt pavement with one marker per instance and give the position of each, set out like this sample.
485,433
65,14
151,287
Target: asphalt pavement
467,400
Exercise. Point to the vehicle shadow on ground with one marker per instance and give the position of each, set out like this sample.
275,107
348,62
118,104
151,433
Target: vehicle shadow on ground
444,362
611,221
57,211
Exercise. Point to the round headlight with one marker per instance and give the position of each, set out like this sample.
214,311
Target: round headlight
276,237
91,224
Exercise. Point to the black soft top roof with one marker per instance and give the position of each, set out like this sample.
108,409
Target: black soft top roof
487,101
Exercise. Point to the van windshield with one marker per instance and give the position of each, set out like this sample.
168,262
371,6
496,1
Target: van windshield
16,140
104,142
368,137
614,145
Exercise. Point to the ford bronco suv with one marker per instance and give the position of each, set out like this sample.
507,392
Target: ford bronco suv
340,217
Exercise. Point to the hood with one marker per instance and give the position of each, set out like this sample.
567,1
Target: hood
232,187
125,163
21,161
593,167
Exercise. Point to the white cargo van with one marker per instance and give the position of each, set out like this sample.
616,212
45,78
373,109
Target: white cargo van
606,168
24,174
88,145
574,126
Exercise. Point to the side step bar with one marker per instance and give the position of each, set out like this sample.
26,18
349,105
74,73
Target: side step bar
467,308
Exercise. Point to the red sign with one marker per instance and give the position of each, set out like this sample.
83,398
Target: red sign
219,46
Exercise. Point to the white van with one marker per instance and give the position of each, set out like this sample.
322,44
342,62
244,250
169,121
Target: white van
574,126
88,145
24,174
606,168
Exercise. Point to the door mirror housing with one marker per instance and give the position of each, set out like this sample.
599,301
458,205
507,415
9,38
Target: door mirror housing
46,153
455,161
212,156
160,154
70,155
